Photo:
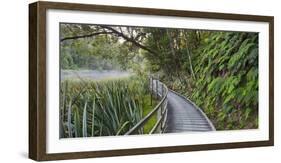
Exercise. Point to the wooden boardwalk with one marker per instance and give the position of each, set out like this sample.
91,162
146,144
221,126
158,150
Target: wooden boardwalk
183,115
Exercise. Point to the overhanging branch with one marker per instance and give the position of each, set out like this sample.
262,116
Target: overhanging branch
84,36
120,34
111,31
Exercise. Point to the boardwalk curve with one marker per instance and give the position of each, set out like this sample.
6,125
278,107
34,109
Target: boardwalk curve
183,115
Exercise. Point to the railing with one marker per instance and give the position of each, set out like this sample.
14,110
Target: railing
158,91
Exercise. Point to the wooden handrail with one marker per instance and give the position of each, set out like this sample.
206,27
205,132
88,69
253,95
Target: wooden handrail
162,117
162,104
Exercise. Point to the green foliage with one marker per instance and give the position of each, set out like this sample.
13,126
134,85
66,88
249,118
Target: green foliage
100,53
227,83
104,108
174,48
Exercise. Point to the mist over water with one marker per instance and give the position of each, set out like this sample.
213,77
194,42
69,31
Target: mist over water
93,74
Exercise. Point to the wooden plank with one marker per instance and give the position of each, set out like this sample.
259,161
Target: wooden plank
183,116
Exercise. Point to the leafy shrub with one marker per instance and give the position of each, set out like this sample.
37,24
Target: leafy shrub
227,80
102,108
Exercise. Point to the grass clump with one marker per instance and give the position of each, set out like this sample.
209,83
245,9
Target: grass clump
104,108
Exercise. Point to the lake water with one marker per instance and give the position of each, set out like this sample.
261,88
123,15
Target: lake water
93,74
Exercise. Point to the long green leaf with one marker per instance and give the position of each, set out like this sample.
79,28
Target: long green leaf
85,120
77,124
93,117
69,125
122,127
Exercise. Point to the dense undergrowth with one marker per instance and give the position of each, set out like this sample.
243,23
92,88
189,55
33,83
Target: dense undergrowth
103,108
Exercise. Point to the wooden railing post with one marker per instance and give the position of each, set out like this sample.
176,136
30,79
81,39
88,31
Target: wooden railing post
162,90
160,109
151,91
156,88
162,106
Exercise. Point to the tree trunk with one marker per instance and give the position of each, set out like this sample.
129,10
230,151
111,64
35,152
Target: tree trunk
175,59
